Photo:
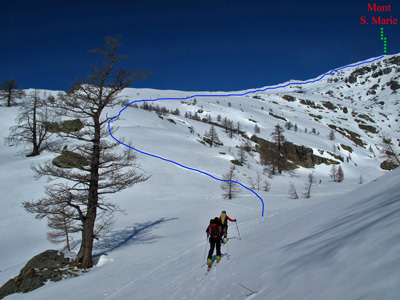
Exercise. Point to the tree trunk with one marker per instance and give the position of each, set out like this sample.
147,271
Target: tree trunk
9,98
85,252
66,233
308,191
84,256
35,150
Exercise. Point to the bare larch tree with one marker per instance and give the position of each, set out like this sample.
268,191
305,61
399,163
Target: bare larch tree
213,136
32,123
107,169
308,184
266,186
277,137
271,156
333,173
229,186
292,191
63,225
9,91
242,154
340,174
331,135
259,179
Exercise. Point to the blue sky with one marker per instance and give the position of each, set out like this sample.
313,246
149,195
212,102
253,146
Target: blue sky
190,45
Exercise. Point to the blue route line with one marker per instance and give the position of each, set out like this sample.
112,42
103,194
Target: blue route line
226,95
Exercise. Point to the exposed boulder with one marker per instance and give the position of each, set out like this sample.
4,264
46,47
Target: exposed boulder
49,265
69,159
65,126
388,165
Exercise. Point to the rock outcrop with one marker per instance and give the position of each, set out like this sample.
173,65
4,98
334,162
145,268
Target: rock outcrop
49,265
388,165
298,154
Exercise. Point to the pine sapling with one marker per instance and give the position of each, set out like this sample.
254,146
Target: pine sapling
333,173
259,179
228,185
266,186
308,184
331,135
340,174
292,191
252,183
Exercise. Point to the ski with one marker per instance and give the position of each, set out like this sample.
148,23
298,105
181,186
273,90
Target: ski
214,264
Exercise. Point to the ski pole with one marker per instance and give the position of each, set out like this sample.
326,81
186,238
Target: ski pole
238,230
227,250
205,252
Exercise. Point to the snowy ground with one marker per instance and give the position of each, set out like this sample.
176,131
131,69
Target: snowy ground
342,243
328,247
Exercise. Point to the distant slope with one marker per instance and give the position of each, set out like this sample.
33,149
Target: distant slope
359,104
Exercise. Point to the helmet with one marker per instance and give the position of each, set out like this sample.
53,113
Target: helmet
224,212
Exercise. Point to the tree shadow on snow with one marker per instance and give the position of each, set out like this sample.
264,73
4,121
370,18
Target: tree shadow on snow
139,233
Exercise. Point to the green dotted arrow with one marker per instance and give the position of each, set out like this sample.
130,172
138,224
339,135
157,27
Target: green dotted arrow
384,41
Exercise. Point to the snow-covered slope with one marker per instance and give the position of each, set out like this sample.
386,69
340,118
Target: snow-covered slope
342,247
343,243
359,103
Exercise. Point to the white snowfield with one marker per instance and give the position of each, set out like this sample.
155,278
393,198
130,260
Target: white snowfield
342,243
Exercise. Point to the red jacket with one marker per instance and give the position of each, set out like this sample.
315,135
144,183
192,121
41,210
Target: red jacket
232,220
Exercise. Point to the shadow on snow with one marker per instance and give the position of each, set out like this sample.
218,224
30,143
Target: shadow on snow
137,234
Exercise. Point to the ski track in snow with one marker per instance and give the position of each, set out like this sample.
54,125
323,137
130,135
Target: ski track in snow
202,281
219,96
